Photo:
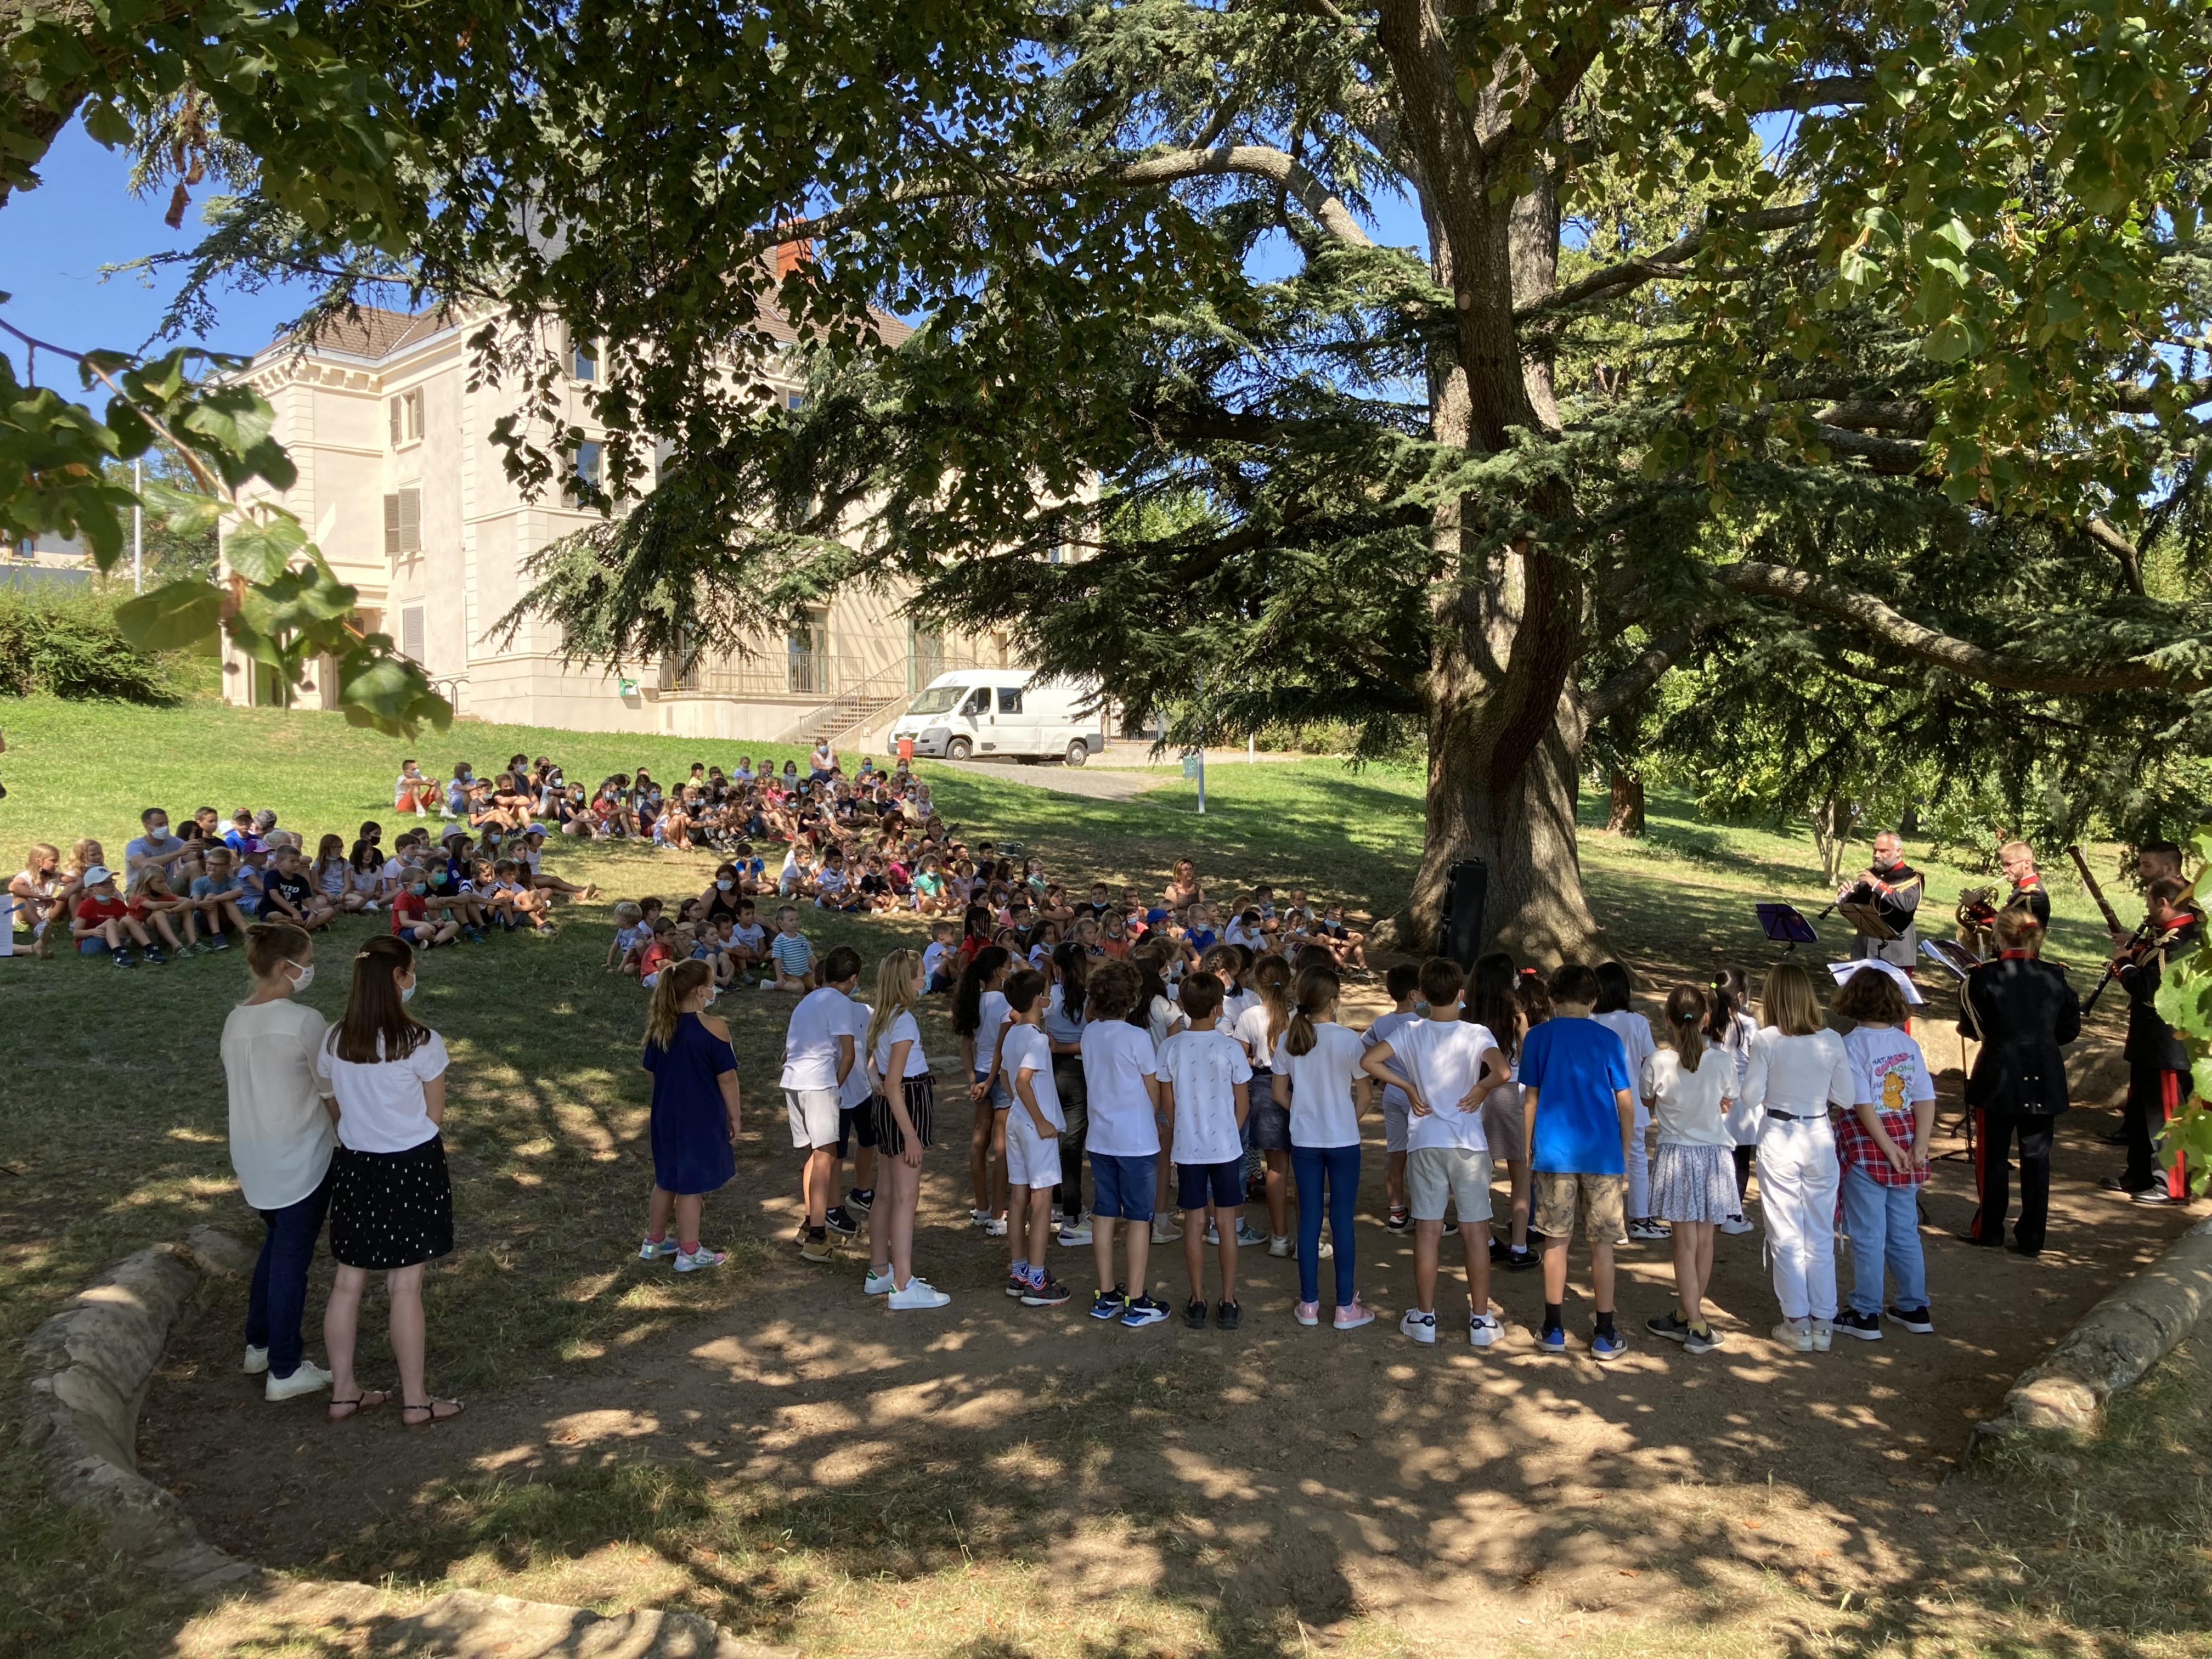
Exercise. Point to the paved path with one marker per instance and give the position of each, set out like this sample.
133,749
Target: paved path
1097,783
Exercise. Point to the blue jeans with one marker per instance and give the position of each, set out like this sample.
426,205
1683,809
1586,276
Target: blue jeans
1339,1167
1883,1224
278,1300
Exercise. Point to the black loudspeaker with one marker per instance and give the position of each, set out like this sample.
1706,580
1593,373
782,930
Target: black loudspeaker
1465,890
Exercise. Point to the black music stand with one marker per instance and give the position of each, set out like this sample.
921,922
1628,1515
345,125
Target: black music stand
1786,925
1950,955
1866,922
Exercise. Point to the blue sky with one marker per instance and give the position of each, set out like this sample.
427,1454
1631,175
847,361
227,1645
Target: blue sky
54,239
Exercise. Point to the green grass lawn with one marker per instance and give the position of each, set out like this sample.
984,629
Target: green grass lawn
113,1126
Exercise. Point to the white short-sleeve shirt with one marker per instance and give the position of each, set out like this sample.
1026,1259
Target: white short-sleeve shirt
1029,1050
1321,1110
809,1043
1204,1068
1117,1058
903,1028
381,1106
1443,1057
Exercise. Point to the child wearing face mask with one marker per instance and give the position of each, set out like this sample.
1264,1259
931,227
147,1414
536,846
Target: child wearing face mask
411,920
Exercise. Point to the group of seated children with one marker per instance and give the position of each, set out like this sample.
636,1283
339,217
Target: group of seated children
182,894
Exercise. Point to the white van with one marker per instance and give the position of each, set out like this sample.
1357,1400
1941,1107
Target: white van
974,712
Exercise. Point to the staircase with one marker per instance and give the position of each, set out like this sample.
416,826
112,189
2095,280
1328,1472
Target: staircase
857,706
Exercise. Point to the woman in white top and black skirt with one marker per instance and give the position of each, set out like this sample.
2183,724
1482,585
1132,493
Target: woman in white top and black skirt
1799,1072
392,1203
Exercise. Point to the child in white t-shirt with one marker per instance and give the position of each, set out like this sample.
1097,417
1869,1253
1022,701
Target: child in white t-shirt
1034,1125
1206,1081
1613,1012
1120,1082
937,969
1687,1085
1447,1066
1884,1145
1403,984
1317,1076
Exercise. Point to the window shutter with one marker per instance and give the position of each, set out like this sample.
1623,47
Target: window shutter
392,526
410,521
395,422
410,632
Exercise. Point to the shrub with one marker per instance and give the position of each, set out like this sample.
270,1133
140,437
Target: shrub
65,641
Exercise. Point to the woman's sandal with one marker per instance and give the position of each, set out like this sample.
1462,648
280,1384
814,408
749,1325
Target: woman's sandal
432,1416
345,1411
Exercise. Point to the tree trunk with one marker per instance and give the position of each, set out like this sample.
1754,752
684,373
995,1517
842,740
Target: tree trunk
1505,722
1626,817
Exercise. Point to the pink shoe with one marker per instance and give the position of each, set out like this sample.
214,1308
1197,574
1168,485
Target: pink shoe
1354,1313
1309,1313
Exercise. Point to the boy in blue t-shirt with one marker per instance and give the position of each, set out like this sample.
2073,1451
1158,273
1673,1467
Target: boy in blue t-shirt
1575,1095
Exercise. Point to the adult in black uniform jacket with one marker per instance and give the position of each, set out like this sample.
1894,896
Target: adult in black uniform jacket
2158,1061
2023,1012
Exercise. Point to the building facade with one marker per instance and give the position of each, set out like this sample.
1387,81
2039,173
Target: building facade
403,488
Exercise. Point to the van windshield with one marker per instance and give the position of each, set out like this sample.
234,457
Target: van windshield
938,700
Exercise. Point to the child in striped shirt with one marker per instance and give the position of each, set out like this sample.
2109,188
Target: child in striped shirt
791,954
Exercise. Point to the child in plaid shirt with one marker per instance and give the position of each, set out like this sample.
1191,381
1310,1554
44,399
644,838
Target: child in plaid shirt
1883,1143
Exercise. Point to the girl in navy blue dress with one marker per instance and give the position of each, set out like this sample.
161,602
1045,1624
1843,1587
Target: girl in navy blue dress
694,1113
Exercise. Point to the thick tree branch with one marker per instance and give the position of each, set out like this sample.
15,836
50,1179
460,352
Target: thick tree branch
1820,92
2102,532
1901,632
1614,692
1286,172
1896,457
1667,262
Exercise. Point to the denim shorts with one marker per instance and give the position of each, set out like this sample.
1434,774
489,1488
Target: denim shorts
1122,1187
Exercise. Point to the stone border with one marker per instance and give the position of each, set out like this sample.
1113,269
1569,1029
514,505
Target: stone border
89,1367
2115,1344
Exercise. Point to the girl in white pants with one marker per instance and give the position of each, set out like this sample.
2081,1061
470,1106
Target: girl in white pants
1798,1071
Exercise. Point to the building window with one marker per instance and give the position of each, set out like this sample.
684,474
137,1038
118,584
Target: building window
583,361
587,467
406,410
794,400
403,523
807,652
410,632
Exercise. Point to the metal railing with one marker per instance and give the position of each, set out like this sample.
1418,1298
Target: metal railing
854,705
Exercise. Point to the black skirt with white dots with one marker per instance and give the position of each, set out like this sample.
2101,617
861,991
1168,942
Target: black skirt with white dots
391,1209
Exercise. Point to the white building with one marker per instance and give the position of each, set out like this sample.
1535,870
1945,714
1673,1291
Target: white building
402,488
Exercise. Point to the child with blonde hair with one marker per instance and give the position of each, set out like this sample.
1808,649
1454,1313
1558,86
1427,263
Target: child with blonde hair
1799,1072
906,1122
1318,1079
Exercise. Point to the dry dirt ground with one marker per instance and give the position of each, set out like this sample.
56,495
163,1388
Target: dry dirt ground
1466,1500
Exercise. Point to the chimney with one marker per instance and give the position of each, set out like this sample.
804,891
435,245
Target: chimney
789,255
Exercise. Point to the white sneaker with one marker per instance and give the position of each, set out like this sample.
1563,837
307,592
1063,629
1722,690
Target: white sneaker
919,1296
1795,1333
257,1361
1164,1231
1824,1335
1212,1231
878,1282
1278,1246
1649,1231
995,1227
1421,1327
1075,1232
310,1378
1735,1225
1484,1328
1328,1250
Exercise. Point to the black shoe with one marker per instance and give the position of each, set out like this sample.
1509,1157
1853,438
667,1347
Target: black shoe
1049,1294
839,1223
2114,1137
1866,1327
1986,1243
1193,1314
1229,1315
2021,1250
859,1200
1671,1326
1916,1320
2115,1184
154,956
1452,1230
1520,1261
1398,1221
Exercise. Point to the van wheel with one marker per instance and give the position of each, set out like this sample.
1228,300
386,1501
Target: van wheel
959,749
1077,752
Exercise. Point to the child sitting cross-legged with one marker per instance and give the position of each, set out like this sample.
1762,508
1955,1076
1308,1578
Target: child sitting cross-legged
102,921
411,912
156,907
220,897
792,954
1206,1081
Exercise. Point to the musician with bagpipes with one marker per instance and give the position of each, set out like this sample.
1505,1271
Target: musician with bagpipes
2158,1061
2023,1012
1891,888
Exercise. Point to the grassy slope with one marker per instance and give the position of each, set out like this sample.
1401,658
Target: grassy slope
112,1133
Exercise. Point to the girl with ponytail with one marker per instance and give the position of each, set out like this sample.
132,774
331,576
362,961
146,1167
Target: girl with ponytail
1319,1080
1728,1026
695,1112
905,1107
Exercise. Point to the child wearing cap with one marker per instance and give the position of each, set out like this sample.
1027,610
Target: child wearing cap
102,921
